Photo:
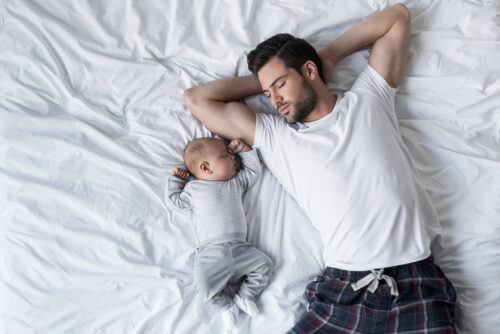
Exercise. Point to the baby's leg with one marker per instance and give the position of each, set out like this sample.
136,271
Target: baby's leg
213,267
256,269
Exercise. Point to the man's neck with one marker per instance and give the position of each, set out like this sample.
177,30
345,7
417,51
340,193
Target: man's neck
326,102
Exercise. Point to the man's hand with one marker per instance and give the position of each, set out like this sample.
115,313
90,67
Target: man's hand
180,173
237,146
327,62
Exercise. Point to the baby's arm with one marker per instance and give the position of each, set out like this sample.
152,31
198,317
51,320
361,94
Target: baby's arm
176,193
251,165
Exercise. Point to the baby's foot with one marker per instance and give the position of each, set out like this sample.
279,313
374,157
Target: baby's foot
247,305
230,317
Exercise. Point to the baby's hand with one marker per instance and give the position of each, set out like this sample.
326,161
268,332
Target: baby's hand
180,173
237,146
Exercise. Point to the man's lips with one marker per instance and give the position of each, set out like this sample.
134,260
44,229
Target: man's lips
283,110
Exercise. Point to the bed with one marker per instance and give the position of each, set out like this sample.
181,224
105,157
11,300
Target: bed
92,121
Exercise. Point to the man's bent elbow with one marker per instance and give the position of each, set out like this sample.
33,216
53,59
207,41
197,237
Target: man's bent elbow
403,10
189,97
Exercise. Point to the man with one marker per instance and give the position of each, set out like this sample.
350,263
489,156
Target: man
342,158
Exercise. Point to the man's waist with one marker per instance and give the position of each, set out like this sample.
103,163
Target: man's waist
376,263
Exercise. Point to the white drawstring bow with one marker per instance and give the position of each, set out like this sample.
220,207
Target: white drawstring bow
373,279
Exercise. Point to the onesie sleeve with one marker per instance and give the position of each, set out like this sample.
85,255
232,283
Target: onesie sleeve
251,169
177,195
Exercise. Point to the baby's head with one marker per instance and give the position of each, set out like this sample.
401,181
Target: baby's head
208,159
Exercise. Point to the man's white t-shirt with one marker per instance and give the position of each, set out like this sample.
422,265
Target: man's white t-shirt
351,173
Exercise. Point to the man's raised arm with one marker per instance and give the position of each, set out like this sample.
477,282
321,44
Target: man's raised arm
217,105
389,33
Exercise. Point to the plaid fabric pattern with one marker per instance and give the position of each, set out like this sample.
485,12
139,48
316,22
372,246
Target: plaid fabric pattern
425,303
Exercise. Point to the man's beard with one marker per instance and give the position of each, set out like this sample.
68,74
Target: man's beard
306,103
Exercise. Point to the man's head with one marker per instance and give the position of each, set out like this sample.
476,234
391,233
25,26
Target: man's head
208,159
287,67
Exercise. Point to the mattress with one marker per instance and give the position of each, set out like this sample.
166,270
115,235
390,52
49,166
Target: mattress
92,121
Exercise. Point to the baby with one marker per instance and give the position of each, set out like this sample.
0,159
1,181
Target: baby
228,271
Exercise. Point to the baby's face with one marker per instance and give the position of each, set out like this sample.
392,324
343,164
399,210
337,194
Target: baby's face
222,163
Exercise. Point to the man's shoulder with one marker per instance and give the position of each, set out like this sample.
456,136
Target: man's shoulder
370,80
269,115
271,120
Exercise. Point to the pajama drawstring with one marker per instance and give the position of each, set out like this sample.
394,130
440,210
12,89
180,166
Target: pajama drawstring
372,279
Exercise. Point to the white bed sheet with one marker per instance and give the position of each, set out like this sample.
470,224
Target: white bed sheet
92,121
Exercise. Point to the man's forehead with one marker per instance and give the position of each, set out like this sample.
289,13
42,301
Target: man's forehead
271,71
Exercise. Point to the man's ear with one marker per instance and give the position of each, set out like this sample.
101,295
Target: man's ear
205,167
309,70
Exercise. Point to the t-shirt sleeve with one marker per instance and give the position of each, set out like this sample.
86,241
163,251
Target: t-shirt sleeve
370,81
267,135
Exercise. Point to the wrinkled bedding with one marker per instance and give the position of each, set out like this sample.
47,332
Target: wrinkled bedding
92,121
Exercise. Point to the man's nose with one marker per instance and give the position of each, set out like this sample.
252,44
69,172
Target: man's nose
276,99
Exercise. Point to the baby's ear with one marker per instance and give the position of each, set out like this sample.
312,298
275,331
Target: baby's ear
205,167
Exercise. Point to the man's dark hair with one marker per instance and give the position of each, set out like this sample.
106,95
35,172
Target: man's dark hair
294,52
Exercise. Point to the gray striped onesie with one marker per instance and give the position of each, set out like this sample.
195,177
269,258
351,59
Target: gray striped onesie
225,264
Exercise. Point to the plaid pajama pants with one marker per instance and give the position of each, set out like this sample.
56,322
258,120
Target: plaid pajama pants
425,303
